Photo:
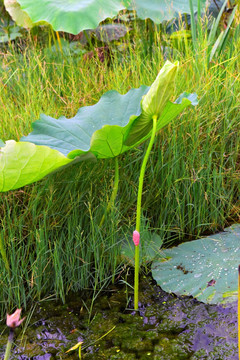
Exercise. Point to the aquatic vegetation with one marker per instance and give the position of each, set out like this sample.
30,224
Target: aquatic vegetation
191,183
103,130
205,268
78,16
13,321
136,233
169,327
99,131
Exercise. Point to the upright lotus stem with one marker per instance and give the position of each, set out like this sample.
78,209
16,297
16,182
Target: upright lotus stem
239,312
136,233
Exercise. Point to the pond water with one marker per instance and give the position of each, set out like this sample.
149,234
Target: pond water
166,327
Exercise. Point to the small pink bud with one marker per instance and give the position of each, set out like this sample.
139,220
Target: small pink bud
136,237
13,320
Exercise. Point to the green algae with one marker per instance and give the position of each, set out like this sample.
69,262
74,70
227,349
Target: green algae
166,327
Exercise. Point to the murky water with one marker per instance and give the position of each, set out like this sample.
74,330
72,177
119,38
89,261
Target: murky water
166,328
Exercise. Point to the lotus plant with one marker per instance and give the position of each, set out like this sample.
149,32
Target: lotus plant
114,125
13,321
153,104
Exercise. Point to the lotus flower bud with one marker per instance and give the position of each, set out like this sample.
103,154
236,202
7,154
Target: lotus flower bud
153,104
161,90
136,237
13,320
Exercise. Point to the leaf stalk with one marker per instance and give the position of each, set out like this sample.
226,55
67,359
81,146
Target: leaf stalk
139,209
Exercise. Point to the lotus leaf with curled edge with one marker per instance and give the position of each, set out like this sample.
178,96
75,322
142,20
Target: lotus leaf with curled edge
116,124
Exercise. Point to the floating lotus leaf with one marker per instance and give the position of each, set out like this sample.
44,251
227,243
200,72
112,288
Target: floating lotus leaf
206,269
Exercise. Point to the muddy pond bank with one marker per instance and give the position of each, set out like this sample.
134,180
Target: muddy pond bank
167,327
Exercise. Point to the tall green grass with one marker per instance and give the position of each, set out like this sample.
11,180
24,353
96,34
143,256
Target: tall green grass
51,242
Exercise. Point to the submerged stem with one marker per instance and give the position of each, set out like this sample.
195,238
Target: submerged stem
114,191
139,208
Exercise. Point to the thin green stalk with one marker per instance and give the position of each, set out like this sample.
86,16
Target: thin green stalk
114,192
9,345
94,342
139,208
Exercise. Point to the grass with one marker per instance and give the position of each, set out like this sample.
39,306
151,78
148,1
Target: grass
51,242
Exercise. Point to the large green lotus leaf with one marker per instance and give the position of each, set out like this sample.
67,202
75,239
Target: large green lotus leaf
116,123
206,269
25,163
18,15
74,16
101,128
159,10
71,16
